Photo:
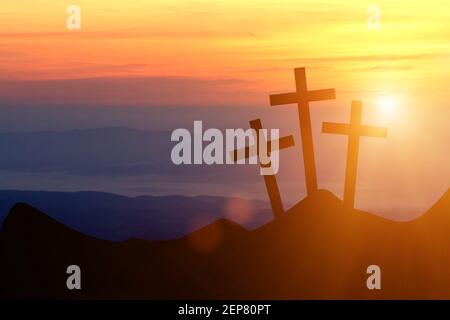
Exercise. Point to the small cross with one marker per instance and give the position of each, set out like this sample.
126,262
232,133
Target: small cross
302,97
269,180
354,130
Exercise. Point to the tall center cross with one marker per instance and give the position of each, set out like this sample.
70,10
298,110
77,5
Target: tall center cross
270,180
303,97
354,130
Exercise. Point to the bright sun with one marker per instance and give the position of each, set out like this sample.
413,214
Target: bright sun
387,105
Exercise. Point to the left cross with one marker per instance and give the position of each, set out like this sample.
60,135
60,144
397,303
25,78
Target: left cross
269,180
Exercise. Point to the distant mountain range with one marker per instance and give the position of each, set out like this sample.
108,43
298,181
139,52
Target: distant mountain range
317,250
113,151
114,217
115,160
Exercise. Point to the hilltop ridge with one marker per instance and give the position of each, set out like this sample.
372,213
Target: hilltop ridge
319,249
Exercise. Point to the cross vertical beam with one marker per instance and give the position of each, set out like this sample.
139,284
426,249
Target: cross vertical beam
352,155
306,131
302,97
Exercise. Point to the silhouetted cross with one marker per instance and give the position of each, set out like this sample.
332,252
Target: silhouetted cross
269,180
354,130
302,97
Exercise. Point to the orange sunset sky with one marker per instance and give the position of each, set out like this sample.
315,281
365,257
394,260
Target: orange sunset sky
253,44
240,51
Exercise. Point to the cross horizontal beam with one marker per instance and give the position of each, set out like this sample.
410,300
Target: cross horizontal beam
341,128
294,97
251,151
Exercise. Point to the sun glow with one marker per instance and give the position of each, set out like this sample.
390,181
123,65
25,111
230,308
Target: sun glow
388,105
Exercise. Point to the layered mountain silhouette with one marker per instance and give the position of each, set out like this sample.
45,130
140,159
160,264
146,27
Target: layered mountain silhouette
319,249
99,151
116,217
118,152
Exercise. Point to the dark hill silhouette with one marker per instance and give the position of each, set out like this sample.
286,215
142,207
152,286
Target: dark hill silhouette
318,249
